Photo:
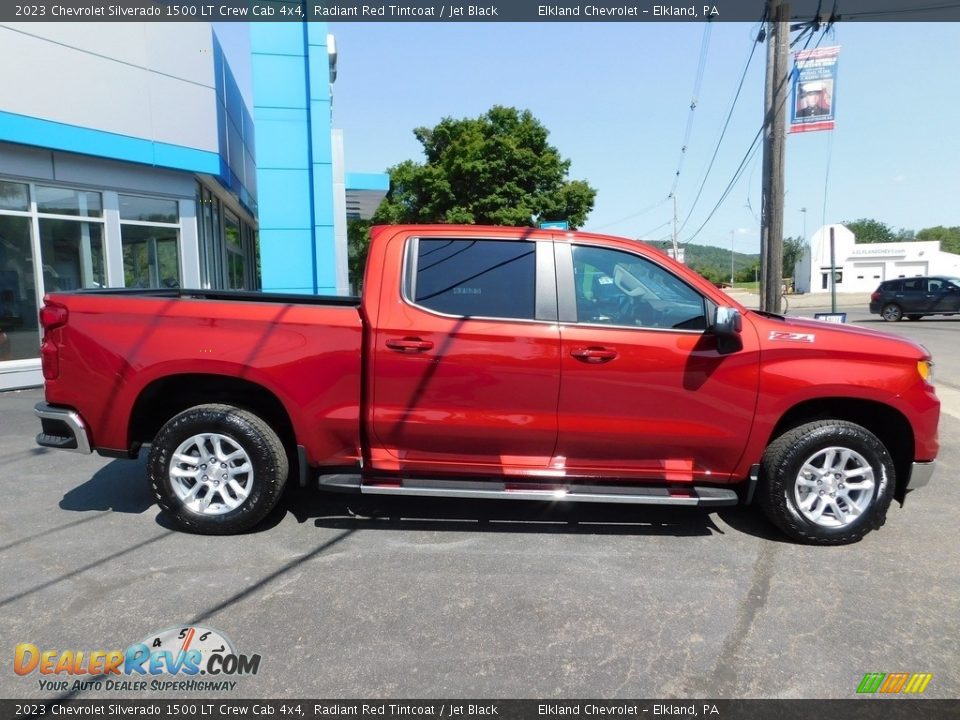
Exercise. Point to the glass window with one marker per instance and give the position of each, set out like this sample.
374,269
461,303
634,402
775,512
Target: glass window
915,285
64,201
134,207
617,288
484,278
14,196
235,259
72,253
150,256
19,336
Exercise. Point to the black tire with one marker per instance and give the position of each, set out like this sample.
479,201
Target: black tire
891,312
249,433
780,470
914,317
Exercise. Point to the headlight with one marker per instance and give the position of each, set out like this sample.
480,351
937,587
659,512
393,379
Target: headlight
925,369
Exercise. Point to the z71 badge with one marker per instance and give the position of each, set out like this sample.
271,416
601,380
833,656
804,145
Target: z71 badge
792,336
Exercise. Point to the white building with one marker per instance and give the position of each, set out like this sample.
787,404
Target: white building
862,267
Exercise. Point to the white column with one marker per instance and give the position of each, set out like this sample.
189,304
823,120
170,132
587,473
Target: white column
339,213
112,247
189,245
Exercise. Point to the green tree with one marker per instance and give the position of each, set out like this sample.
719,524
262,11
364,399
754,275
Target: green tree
358,242
949,237
793,250
497,169
871,231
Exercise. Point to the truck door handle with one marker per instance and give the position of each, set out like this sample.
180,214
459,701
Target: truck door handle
409,345
594,354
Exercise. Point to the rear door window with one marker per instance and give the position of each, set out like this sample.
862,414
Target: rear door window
475,278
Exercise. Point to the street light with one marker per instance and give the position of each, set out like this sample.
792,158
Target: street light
804,211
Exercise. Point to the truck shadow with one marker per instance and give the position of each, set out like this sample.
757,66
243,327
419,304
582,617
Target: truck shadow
350,512
119,486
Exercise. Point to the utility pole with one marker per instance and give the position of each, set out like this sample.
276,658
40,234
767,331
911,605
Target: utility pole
774,142
731,258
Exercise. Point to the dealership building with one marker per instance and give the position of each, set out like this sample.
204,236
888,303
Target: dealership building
861,267
128,158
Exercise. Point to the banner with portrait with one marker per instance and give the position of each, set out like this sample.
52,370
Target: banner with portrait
813,99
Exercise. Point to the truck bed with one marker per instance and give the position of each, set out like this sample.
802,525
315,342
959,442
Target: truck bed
120,349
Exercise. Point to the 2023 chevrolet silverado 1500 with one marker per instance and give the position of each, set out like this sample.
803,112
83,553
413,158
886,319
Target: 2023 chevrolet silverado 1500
493,362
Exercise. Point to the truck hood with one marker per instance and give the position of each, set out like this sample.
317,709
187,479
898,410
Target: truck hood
779,331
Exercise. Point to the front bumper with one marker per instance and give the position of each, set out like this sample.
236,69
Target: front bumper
62,428
920,474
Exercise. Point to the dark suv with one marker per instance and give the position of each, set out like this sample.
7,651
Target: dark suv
915,297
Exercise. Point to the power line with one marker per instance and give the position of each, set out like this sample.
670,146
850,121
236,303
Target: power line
654,229
902,11
632,215
697,82
723,132
754,146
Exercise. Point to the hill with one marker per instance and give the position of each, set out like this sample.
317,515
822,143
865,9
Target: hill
714,262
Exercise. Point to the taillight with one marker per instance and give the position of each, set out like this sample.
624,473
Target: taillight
49,359
53,316
875,296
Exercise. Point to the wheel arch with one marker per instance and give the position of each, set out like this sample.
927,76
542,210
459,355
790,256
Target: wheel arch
165,397
886,422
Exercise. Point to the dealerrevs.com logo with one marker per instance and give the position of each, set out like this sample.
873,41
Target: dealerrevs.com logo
197,658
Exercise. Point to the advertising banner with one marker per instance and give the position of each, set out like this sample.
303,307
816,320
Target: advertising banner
813,100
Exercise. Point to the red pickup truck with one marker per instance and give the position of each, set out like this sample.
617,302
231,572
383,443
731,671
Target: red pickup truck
491,362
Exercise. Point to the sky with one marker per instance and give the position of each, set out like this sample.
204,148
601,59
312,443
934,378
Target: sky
616,99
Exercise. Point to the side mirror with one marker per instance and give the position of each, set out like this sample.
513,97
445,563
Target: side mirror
726,326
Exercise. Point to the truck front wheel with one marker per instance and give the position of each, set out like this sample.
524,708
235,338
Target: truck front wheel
828,482
217,469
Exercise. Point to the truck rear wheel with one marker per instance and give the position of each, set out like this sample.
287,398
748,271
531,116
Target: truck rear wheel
828,482
217,469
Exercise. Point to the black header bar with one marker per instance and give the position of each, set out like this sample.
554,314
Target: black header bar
447,11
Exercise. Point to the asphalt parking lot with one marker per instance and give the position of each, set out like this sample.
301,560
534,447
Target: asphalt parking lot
356,599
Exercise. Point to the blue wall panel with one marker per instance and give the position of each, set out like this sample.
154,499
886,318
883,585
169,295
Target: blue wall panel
279,81
279,274
277,38
283,138
291,90
285,199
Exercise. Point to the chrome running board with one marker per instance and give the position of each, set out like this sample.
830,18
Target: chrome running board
498,490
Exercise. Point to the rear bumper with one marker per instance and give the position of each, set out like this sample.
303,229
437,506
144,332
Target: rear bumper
875,308
920,474
62,428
